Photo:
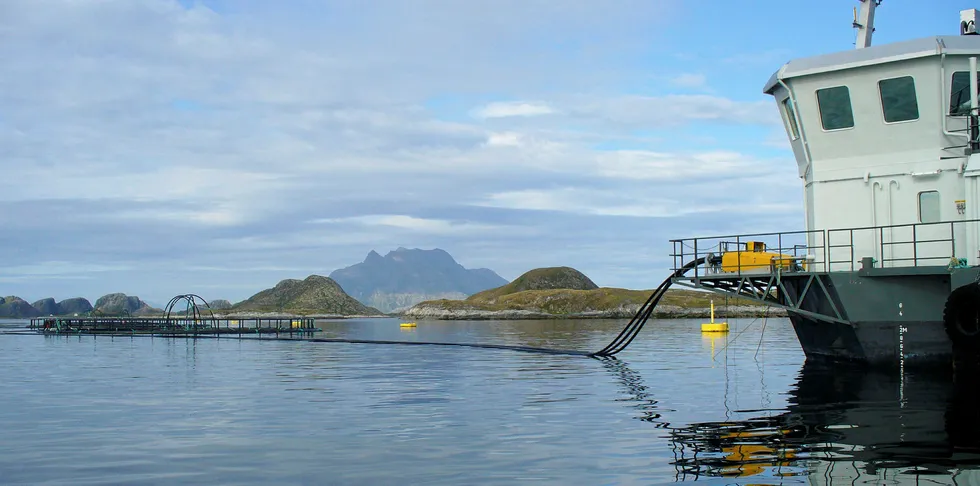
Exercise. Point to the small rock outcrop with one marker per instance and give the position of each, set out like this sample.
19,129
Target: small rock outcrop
47,307
121,304
75,305
14,307
315,295
67,307
551,278
219,304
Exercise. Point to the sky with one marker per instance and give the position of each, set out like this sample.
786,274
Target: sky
160,147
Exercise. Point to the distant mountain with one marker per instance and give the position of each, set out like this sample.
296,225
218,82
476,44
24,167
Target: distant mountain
404,277
67,307
16,308
121,304
314,295
219,304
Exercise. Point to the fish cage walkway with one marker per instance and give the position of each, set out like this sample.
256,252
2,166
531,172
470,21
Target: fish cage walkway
173,326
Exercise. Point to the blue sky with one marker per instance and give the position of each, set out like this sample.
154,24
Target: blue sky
157,147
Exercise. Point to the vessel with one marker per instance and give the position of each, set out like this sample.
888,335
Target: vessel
887,144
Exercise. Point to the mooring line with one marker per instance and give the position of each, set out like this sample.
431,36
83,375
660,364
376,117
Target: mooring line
19,333
525,349
746,328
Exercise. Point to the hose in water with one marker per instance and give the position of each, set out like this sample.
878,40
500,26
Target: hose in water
633,328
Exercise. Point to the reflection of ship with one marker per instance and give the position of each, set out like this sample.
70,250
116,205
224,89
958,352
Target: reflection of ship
844,426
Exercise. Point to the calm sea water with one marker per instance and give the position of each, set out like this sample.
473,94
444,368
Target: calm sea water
675,407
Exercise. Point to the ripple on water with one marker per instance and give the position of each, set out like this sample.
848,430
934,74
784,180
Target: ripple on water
84,410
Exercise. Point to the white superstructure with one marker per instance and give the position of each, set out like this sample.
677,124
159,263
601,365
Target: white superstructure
882,137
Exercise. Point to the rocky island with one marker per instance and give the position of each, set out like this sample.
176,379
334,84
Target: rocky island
316,295
116,304
563,292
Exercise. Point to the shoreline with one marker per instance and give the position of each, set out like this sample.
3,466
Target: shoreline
427,312
626,312
242,315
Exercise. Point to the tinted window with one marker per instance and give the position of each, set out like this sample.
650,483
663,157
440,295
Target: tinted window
959,98
835,108
794,130
929,207
898,100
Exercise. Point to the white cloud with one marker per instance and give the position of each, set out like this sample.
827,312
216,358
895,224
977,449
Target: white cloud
221,216
611,202
61,268
411,223
293,241
46,272
638,164
512,108
505,139
582,201
179,195
688,80
160,184
677,110
142,131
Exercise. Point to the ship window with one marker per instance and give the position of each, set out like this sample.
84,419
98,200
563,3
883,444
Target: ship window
929,207
959,98
835,108
898,100
792,128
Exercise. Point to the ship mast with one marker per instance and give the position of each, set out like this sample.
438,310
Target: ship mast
864,22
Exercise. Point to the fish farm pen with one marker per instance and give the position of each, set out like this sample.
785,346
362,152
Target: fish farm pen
174,326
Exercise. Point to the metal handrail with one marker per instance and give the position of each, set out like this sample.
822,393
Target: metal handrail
682,256
826,241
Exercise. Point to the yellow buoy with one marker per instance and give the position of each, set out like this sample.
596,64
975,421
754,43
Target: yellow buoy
407,324
714,326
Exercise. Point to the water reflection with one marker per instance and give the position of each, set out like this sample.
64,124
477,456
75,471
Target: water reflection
638,393
841,426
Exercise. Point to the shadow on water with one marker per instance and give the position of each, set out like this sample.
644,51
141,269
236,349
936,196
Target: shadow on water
841,426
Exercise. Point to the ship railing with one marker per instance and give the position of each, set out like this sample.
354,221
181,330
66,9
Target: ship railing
910,245
943,243
793,251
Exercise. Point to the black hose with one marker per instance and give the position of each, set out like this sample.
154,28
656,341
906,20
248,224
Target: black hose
632,329
630,324
654,297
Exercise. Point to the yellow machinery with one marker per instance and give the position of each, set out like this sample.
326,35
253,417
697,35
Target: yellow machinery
755,258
